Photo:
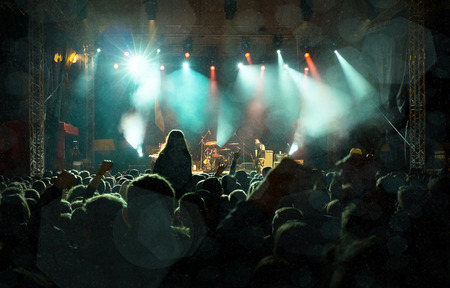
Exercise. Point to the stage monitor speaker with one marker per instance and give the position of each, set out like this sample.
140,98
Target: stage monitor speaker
268,161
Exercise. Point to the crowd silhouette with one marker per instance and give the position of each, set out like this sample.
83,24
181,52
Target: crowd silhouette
291,226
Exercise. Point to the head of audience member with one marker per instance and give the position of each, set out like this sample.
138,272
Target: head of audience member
355,175
14,210
145,192
39,186
84,174
13,190
243,178
47,174
191,213
101,188
412,200
76,192
228,184
134,173
102,212
197,178
151,240
265,170
237,195
16,184
334,209
283,215
213,185
175,141
294,241
111,181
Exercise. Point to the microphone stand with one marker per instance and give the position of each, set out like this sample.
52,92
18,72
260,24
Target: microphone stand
243,146
202,147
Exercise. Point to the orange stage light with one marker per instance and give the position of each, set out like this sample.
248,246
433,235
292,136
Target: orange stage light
306,55
187,55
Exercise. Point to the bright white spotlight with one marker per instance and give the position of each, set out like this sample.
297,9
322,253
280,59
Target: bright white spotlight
139,151
137,65
126,53
240,65
286,66
294,148
99,50
335,52
158,50
185,65
162,68
278,51
116,66
263,68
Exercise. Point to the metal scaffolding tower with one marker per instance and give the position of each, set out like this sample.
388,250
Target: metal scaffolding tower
417,98
89,70
36,101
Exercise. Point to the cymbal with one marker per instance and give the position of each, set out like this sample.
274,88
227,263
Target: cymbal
235,143
211,143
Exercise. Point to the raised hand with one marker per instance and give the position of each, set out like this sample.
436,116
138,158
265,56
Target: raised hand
65,180
236,155
220,169
105,166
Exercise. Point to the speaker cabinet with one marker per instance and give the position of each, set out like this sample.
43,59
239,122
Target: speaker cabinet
268,160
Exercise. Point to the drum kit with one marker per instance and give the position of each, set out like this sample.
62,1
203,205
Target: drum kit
214,155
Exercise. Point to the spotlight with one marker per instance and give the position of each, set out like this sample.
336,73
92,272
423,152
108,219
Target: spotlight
306,55
306,69
185,65
116,66
137,65
162,67
126,53
247,54
212,68
99,50
240,65
286,66
263,68
151,7
335,52
187,55
158,50
278,51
